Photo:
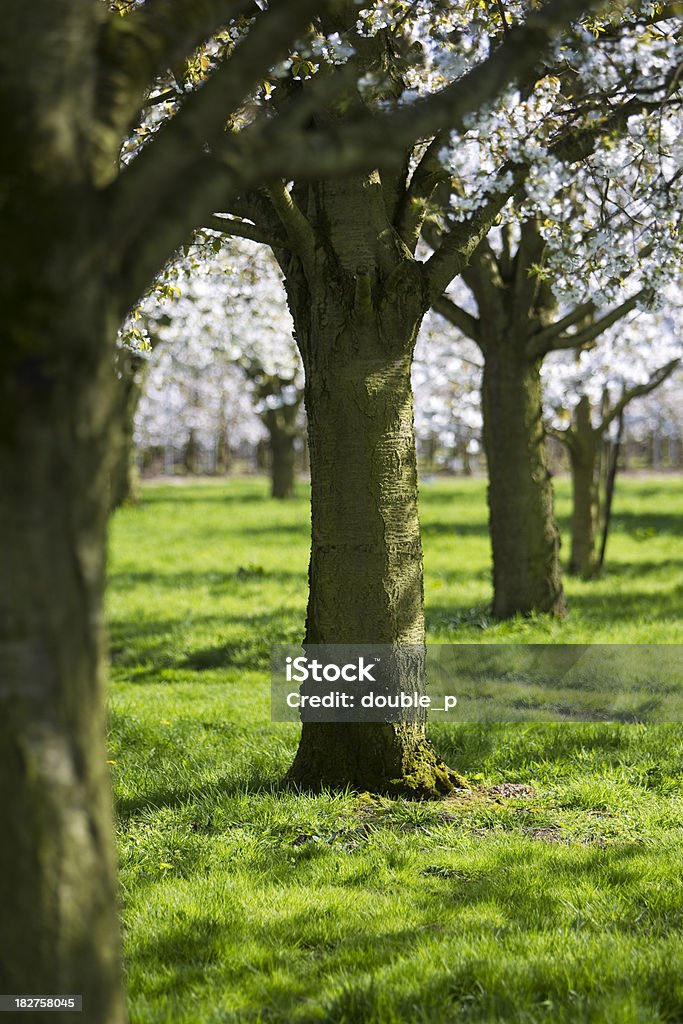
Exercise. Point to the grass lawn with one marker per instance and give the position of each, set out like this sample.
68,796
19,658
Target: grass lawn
548,892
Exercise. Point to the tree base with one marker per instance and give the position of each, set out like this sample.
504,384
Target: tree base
508,607
388,759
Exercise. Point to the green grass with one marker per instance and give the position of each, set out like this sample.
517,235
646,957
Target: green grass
555,899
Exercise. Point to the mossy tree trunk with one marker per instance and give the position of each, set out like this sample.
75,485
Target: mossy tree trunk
357,303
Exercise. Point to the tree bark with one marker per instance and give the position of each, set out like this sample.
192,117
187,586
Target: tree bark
365,573
281,426
192,455
58,889
125,477
582,444
524,536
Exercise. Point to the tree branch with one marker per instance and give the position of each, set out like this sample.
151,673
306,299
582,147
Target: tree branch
519,52
460,242
177,161
428,174
462,239
657,378
138,47
460,318
542,342
300,234
243,229
171,176
589,333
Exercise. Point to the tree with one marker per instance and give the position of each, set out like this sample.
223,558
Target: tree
130,368
602,237
446,384
280,400
228,322
587,395
524,536
86,239
357,296
194,407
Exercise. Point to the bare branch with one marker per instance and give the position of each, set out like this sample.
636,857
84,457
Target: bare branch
300,234
243,229
657,378
460,318
428,174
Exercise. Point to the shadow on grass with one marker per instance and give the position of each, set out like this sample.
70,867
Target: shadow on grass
514,749
216,580
260,781
278,959
592,602
628,606
196,494
149,647
659,522
640,569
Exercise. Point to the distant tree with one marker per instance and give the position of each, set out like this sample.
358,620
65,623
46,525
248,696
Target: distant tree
587,395
447,384
586,240
229,324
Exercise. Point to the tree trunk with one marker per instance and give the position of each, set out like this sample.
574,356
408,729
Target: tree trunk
583,455
524,536
60,930
281,426
192,455
125,477
365,571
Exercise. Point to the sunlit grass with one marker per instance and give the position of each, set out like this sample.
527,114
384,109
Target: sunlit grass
556,898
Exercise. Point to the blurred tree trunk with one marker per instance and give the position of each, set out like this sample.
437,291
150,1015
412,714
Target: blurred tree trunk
281,424
524,536
192,455
58,884
583,445
58,400
125,480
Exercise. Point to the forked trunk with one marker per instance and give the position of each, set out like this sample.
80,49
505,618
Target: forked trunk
524,535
